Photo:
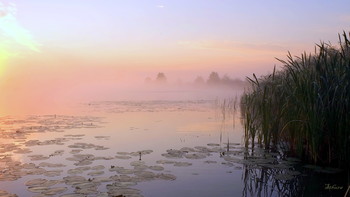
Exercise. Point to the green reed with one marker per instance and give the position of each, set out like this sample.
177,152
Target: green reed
306,104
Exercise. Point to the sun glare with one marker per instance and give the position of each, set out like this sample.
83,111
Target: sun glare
14,38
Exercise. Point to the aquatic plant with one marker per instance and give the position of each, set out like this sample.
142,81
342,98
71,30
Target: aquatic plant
226,109
305,107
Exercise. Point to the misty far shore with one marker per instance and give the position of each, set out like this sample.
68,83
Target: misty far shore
213,80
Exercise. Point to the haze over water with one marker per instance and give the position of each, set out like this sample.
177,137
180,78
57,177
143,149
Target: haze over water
61,51
142,97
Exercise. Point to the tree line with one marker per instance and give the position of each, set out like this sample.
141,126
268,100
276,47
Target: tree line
213,79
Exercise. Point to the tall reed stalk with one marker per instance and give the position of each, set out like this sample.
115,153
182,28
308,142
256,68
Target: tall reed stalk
306,104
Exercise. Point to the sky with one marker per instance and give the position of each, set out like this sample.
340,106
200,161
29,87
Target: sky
51,47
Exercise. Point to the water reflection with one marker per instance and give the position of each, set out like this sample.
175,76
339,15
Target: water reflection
273,174
264,181
136,146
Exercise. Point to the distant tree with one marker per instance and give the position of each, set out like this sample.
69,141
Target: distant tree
226,80
199,80
161,78
214,78
234,83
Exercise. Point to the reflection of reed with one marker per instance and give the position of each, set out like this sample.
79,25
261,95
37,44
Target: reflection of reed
262,181
227,108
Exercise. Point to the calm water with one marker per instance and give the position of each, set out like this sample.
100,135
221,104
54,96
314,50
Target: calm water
143,148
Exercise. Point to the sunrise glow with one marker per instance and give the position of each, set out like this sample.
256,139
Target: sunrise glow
14,38
56,49
154,98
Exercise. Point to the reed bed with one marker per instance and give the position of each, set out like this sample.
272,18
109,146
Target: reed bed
305,107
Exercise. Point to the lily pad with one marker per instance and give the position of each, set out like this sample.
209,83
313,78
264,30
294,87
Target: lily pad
96,173
54,191
73,195
6,194
35,182
165,162
166,177
99,167
123,157
195,156
210,162
37,189
182,164
213,144
156,168
51,165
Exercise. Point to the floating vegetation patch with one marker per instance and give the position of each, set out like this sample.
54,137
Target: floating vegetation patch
75,151
75,135
229,164
123,153
82,159
104,158
53,173
116,189
87,146
210,162
167,177
54,191
173,154
22,151
123,157
83,176
195,156
4,148
38,157
38,189
129,155
137,163
166,162
99,167
15,169
102,137
73,180
78,170
96,173
35,182
156,168
6,194
86,187
150,106
198,152
73,195
212,144
122,170
182,164
237,158
47,191
174,163
51,165
101,179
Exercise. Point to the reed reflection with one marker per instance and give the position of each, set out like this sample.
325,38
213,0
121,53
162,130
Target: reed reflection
260,180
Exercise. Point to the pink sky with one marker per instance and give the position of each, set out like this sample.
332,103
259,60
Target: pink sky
50,49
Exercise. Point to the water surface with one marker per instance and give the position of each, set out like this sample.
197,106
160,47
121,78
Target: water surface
139,148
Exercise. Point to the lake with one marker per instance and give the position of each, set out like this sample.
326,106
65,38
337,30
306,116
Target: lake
165,147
